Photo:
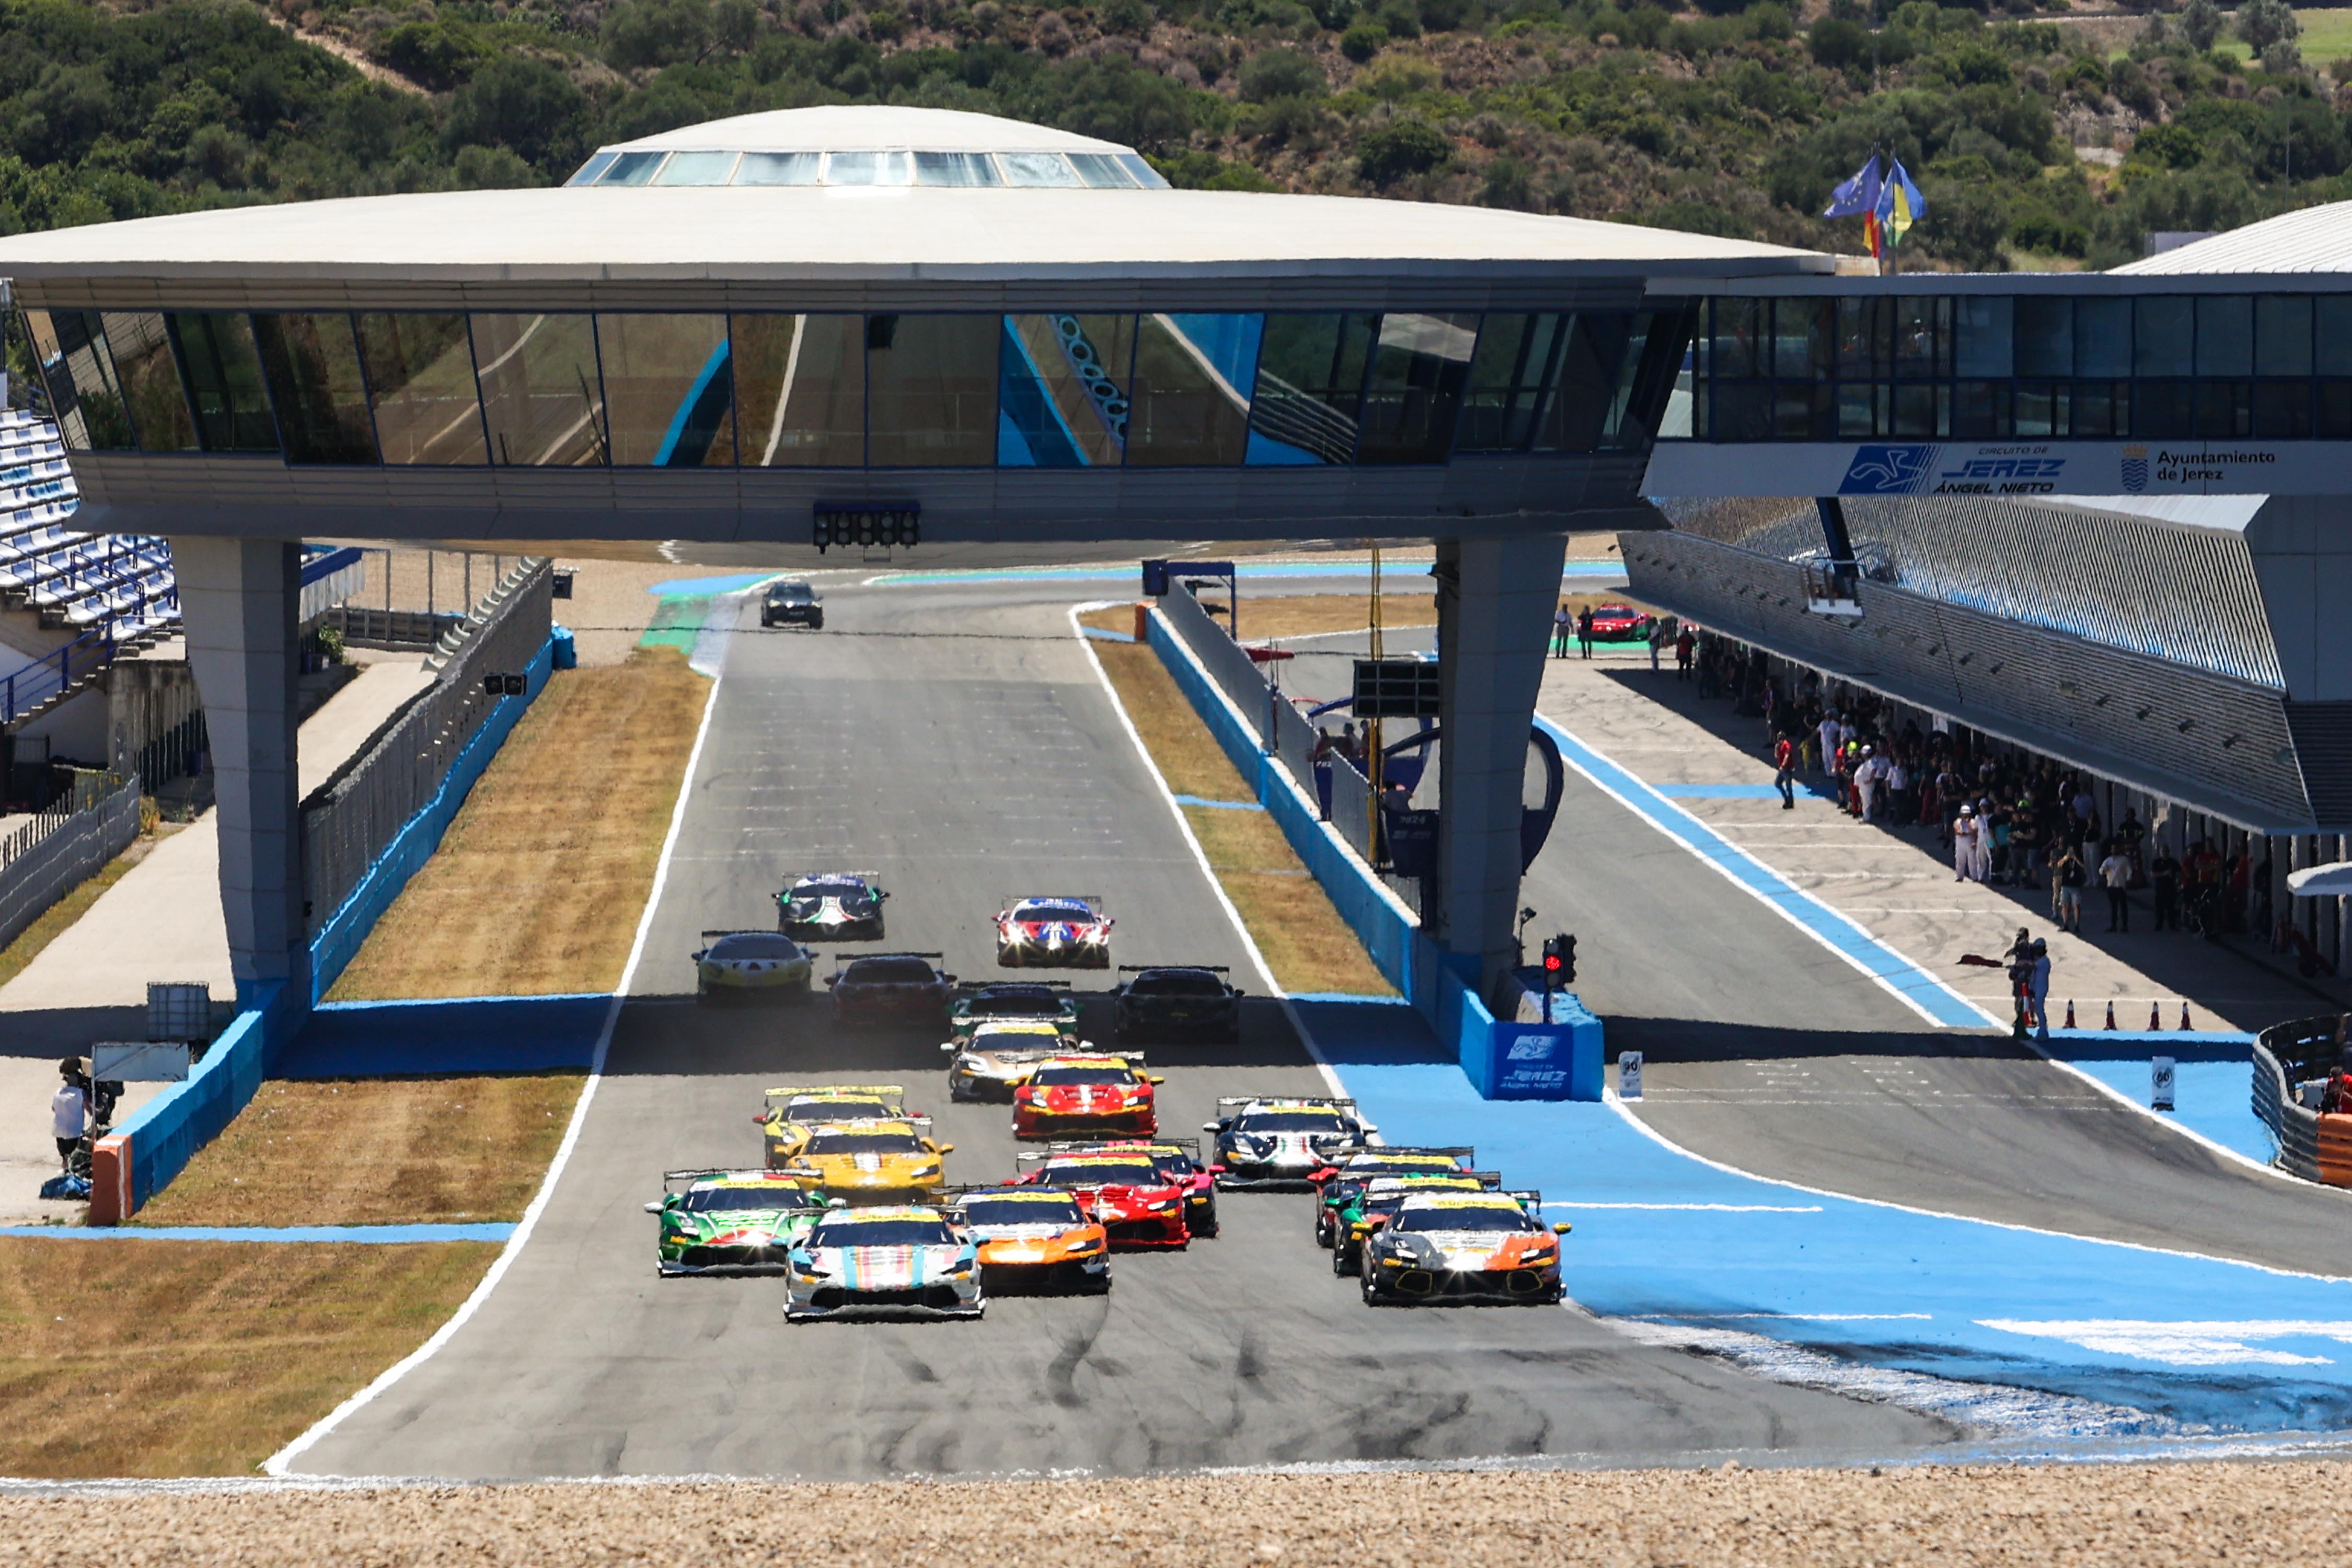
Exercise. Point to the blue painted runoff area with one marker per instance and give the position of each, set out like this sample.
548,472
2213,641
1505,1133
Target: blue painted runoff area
1735,791
1220,805
371,1234
1938,1001
691,588
466,1034
1104,634
2213,1078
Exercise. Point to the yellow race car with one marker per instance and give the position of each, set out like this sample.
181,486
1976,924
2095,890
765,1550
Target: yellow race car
794,1111
871,1161
750,966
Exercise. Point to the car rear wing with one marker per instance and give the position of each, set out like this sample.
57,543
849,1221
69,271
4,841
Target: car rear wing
1096,904
1418,1151
690,1178
1490,1180
871,879
980,985
1334,1101
843,960
1204,968
1030,1054
1190,1146
890,1093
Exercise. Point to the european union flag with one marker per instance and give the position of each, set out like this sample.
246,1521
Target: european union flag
1858,196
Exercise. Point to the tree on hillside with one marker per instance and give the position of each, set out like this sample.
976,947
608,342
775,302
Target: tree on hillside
2200,24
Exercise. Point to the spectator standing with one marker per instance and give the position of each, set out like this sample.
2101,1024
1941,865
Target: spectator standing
1832,735
2041,981
1560,622
1683,644
1967,841
2164,883
1585,630
69,1110
1784,762
1866,774
1657,641
2116,876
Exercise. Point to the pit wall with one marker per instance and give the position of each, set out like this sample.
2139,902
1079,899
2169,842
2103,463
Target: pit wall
1502,1060
141,1158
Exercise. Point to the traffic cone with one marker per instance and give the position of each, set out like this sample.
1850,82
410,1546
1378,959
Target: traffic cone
2184,1014
2069,1012
2111,1012
2154,1022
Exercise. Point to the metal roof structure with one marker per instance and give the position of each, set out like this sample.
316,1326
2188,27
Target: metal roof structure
2313,240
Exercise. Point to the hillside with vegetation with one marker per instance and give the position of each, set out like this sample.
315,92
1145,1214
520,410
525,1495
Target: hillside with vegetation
2039,140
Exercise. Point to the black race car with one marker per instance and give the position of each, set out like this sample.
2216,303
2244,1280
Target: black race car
832,906
1015,1001
1177,1001
890,985
1282,1140
793,604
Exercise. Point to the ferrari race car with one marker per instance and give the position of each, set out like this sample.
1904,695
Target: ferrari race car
1053,934
1037,1237
1136,1201
1464,1247
1067,1094
793,1114
908,1255
1337,1183
1621,623
832,906
750,964
873,1162
1024,1001
1178,1158
1192,1001
793,604
730,1219
1373,1202
997,1057
889,985
1281,1141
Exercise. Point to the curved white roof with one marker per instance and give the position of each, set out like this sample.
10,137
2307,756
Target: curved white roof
865,127
2315,239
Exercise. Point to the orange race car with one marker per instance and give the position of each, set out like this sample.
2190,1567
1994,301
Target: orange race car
1078,1094
1035,1236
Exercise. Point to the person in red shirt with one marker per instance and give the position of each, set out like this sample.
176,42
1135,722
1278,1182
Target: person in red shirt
1784,759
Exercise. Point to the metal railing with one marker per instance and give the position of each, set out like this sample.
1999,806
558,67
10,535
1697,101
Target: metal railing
71,848
2286,1054
351,819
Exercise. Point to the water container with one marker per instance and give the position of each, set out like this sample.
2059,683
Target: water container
566,654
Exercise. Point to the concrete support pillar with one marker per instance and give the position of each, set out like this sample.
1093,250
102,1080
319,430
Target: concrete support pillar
1495,603
238,601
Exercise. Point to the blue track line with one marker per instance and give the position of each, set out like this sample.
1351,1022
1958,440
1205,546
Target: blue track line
372,1234
1220,805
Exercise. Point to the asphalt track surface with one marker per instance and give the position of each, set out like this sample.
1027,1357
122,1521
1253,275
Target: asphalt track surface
955,741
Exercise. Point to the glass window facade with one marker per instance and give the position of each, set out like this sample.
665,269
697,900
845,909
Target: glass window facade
630,389
2158,366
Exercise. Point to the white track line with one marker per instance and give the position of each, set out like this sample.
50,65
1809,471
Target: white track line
279,1463
1185,826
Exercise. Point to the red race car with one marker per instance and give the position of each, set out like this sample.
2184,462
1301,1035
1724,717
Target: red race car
1073,1094
1053,934
1127,1194
1178,1159
1621,623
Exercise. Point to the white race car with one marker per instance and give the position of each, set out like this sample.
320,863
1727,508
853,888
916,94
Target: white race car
906,1255
1053,934
998,1056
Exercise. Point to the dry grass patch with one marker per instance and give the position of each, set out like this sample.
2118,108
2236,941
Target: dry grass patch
537,886
196,1358
440,1150
1189,758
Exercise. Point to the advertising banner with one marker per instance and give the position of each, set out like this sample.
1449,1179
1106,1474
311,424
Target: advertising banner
2013,468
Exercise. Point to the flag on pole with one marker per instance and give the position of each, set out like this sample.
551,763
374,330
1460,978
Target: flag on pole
1858,196
1900,204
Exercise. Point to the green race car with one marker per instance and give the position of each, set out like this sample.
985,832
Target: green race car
1337,1184
1369,1205
731,1220
1015,1001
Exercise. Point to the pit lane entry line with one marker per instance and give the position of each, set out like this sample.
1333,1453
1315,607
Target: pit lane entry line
281,1462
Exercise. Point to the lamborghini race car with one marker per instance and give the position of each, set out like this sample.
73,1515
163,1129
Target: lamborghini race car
1053,934
887,987
1372,1203
1281,1140
998,1056
750,964
1337,1183
1621,623
1022,1001
1178,1158
1035,1236
871,1162
1134,1200
1464,1247
832,906
1193,1001
793,1114
1070,1094
908,1255
730,1219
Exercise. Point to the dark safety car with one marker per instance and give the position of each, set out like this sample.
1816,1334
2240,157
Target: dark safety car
792,605
1464,1247
1070,1093
1338,1182
1369,1205
832,906
1026,1001
885,987
1176,1002
1136,1202
1066,932
730,1220
750,966
1275,1141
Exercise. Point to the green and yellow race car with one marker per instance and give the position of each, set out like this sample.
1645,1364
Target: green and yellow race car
1369,1205
752,966
731,1220
794,1113
1334,1185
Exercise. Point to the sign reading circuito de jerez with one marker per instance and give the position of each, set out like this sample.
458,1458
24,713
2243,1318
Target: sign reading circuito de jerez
1997,469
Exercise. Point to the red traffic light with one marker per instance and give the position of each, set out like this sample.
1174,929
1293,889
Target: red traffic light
1551,960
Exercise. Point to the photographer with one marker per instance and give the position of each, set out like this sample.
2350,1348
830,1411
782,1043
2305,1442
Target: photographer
69,1110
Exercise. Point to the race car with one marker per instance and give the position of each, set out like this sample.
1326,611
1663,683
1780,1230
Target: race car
906,1256
1136,1202
730,1220
998,1055
1369,1205
1337,1183
1178,1158
889,985
832,906
1464,1247
793,1113
1026,1001
749,966
870,1162
793,604
1267,1140
1053,934
1035,1236
1190,1001
1621,623
1067,1094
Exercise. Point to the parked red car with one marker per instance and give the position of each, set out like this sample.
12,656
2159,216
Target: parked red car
1621,623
